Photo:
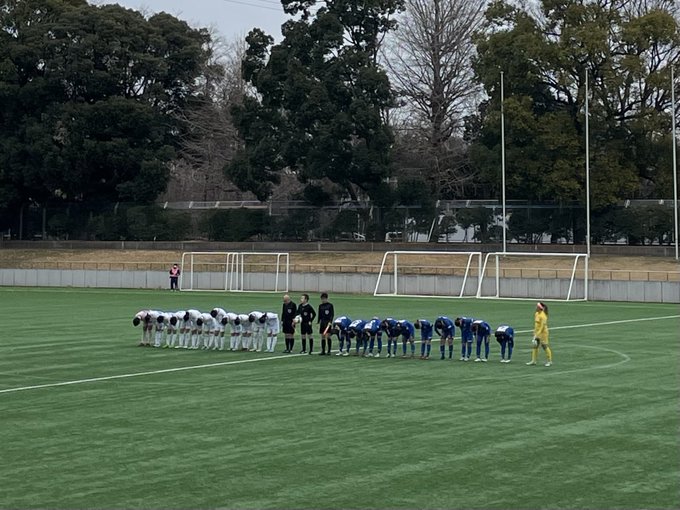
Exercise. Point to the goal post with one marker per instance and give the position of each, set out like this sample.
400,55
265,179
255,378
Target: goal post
235,271
429,274
547,276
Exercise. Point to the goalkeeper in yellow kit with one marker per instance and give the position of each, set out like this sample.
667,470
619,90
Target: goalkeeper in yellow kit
541,335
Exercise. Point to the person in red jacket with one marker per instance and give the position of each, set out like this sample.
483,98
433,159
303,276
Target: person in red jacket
174,276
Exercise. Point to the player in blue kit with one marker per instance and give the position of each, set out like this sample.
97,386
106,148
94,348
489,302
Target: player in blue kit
466,337
389,326
446,330
505,336
425,337
341,329
482,331
408,333
373,332
356,331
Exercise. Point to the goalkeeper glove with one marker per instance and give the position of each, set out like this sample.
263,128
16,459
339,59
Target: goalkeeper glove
534,342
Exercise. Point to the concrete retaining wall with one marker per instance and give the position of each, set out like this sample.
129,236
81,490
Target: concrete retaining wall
600,290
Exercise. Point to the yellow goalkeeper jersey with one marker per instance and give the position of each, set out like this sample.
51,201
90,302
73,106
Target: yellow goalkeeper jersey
541,326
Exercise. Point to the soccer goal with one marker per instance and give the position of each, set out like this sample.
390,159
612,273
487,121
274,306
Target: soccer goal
527,275
235,271
429,274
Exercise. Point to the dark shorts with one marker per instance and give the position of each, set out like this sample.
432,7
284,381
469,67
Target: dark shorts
323,326
288,328
306,328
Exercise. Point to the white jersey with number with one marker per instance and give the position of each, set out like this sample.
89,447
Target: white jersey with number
153,318
231,317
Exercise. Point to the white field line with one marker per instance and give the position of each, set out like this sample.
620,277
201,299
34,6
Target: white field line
625,357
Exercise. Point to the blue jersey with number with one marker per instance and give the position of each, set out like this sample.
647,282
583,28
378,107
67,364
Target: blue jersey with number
425,329
372,328
448,328
505,333
406,329
465,325
342,323
357,328
483,330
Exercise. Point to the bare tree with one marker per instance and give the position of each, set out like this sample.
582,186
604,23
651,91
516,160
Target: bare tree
211,139
429,58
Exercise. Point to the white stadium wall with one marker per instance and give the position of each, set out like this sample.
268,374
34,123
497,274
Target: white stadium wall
599,290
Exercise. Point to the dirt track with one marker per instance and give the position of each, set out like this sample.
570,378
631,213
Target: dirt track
313,261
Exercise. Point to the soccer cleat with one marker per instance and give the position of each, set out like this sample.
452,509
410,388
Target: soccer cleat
507,360
322,353
548,363
303,351
462,358
442,357
531,363
377,355
345,353
484,360
389,354
370,355
339,353
478,359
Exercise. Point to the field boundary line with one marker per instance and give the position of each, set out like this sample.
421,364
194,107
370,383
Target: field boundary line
255,360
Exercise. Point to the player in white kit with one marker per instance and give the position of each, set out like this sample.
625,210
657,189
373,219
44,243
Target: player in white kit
175,326
191,325
206,326
235,329
141,318
217,340
246,331
272,327
258,331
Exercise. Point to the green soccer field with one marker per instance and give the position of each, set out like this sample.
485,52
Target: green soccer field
90,420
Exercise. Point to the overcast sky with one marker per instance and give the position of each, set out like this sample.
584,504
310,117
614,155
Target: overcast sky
232,18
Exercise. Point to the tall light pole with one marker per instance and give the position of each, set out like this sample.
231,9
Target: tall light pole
505,226
675,167
587,172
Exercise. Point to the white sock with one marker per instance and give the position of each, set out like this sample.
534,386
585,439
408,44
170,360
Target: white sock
274,339
157,341
269,343
221,343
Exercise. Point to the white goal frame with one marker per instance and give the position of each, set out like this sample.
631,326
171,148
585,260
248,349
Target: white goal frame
497,255
234,271
395,259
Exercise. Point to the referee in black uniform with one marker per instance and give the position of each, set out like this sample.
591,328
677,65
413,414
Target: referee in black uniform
307,316
288,312
325,318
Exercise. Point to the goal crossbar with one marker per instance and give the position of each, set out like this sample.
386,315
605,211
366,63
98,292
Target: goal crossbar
496,255
233,265
395,271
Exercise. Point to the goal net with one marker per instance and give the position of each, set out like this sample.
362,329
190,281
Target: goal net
235,271
548,276
429,274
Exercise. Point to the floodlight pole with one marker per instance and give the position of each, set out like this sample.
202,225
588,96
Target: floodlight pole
675,167
587,172
505,226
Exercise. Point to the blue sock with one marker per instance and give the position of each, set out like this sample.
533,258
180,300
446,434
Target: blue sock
486,350
450,351
502,350
429,348
469,350
442,350
370,347
379,345
403,347
510,351
341,342
462,349
479,348
413,349
422,349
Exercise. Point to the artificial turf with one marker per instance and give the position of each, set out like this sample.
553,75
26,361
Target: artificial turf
157,428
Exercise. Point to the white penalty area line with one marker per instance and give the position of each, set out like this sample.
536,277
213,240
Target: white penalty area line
255,360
